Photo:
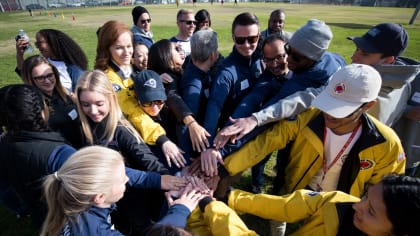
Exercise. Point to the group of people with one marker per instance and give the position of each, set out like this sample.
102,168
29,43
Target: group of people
175,122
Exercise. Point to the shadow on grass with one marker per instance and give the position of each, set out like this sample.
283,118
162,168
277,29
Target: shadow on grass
351,25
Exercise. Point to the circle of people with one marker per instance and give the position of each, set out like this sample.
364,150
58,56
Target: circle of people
174,121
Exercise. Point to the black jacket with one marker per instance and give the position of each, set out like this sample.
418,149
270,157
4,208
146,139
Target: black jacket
137,154
24,163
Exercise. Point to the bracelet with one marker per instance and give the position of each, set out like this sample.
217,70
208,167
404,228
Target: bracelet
189,123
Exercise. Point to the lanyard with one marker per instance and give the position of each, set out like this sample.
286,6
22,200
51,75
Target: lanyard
326,168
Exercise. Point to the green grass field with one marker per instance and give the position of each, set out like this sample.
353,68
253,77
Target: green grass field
344,21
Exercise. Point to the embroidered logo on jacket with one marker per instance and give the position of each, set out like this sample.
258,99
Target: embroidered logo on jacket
366,164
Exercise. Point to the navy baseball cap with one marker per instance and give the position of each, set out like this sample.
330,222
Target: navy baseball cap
148,86
387,38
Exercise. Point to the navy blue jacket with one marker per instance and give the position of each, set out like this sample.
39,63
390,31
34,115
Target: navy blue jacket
270,89
235,78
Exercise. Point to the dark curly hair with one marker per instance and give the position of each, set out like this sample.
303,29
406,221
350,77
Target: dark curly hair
21,108
65,48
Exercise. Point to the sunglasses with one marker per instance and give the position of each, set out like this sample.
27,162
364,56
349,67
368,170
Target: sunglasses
297,58
250,39
146,20
189,22
277,59
156,102
49,76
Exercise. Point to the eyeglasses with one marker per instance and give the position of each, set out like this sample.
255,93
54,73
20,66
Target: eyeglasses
277,59
146,20
250,39
189,22
49,76
38,43
297,58
156,102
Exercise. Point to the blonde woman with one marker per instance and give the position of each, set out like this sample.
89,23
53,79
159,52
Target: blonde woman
83,192
104,124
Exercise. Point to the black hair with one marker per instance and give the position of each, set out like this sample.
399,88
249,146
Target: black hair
21,108
201,16
245,19
401,195
271,38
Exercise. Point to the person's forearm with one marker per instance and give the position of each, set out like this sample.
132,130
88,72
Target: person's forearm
287,107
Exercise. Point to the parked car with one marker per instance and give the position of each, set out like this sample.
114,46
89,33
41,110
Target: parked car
92,3
126,2
56,5
75,4
34,6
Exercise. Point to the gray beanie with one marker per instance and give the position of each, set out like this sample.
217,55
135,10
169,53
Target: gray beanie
312,39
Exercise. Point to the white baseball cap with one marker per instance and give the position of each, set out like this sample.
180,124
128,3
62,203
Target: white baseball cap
348,89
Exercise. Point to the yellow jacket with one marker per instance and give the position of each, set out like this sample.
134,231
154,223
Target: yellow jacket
218,219
318,209
377,152
149,130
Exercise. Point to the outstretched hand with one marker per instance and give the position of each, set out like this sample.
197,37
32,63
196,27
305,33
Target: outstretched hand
189,198
239,128
209,159
169,182
173,154
198,137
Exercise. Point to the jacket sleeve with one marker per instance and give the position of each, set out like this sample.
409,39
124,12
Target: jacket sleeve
294,207
222,220
191,94
218,94
138,153
149,130
287,107
142,179
253,100
177,216
75,72
175,102
59,155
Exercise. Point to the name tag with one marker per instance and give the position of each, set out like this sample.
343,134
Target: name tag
73,114
244,84
416,97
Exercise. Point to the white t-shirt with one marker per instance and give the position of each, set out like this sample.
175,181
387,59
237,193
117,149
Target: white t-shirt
64,75
332,146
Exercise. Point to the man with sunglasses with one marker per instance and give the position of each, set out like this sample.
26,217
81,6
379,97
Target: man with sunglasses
186,23
312,66
236,75
141,28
